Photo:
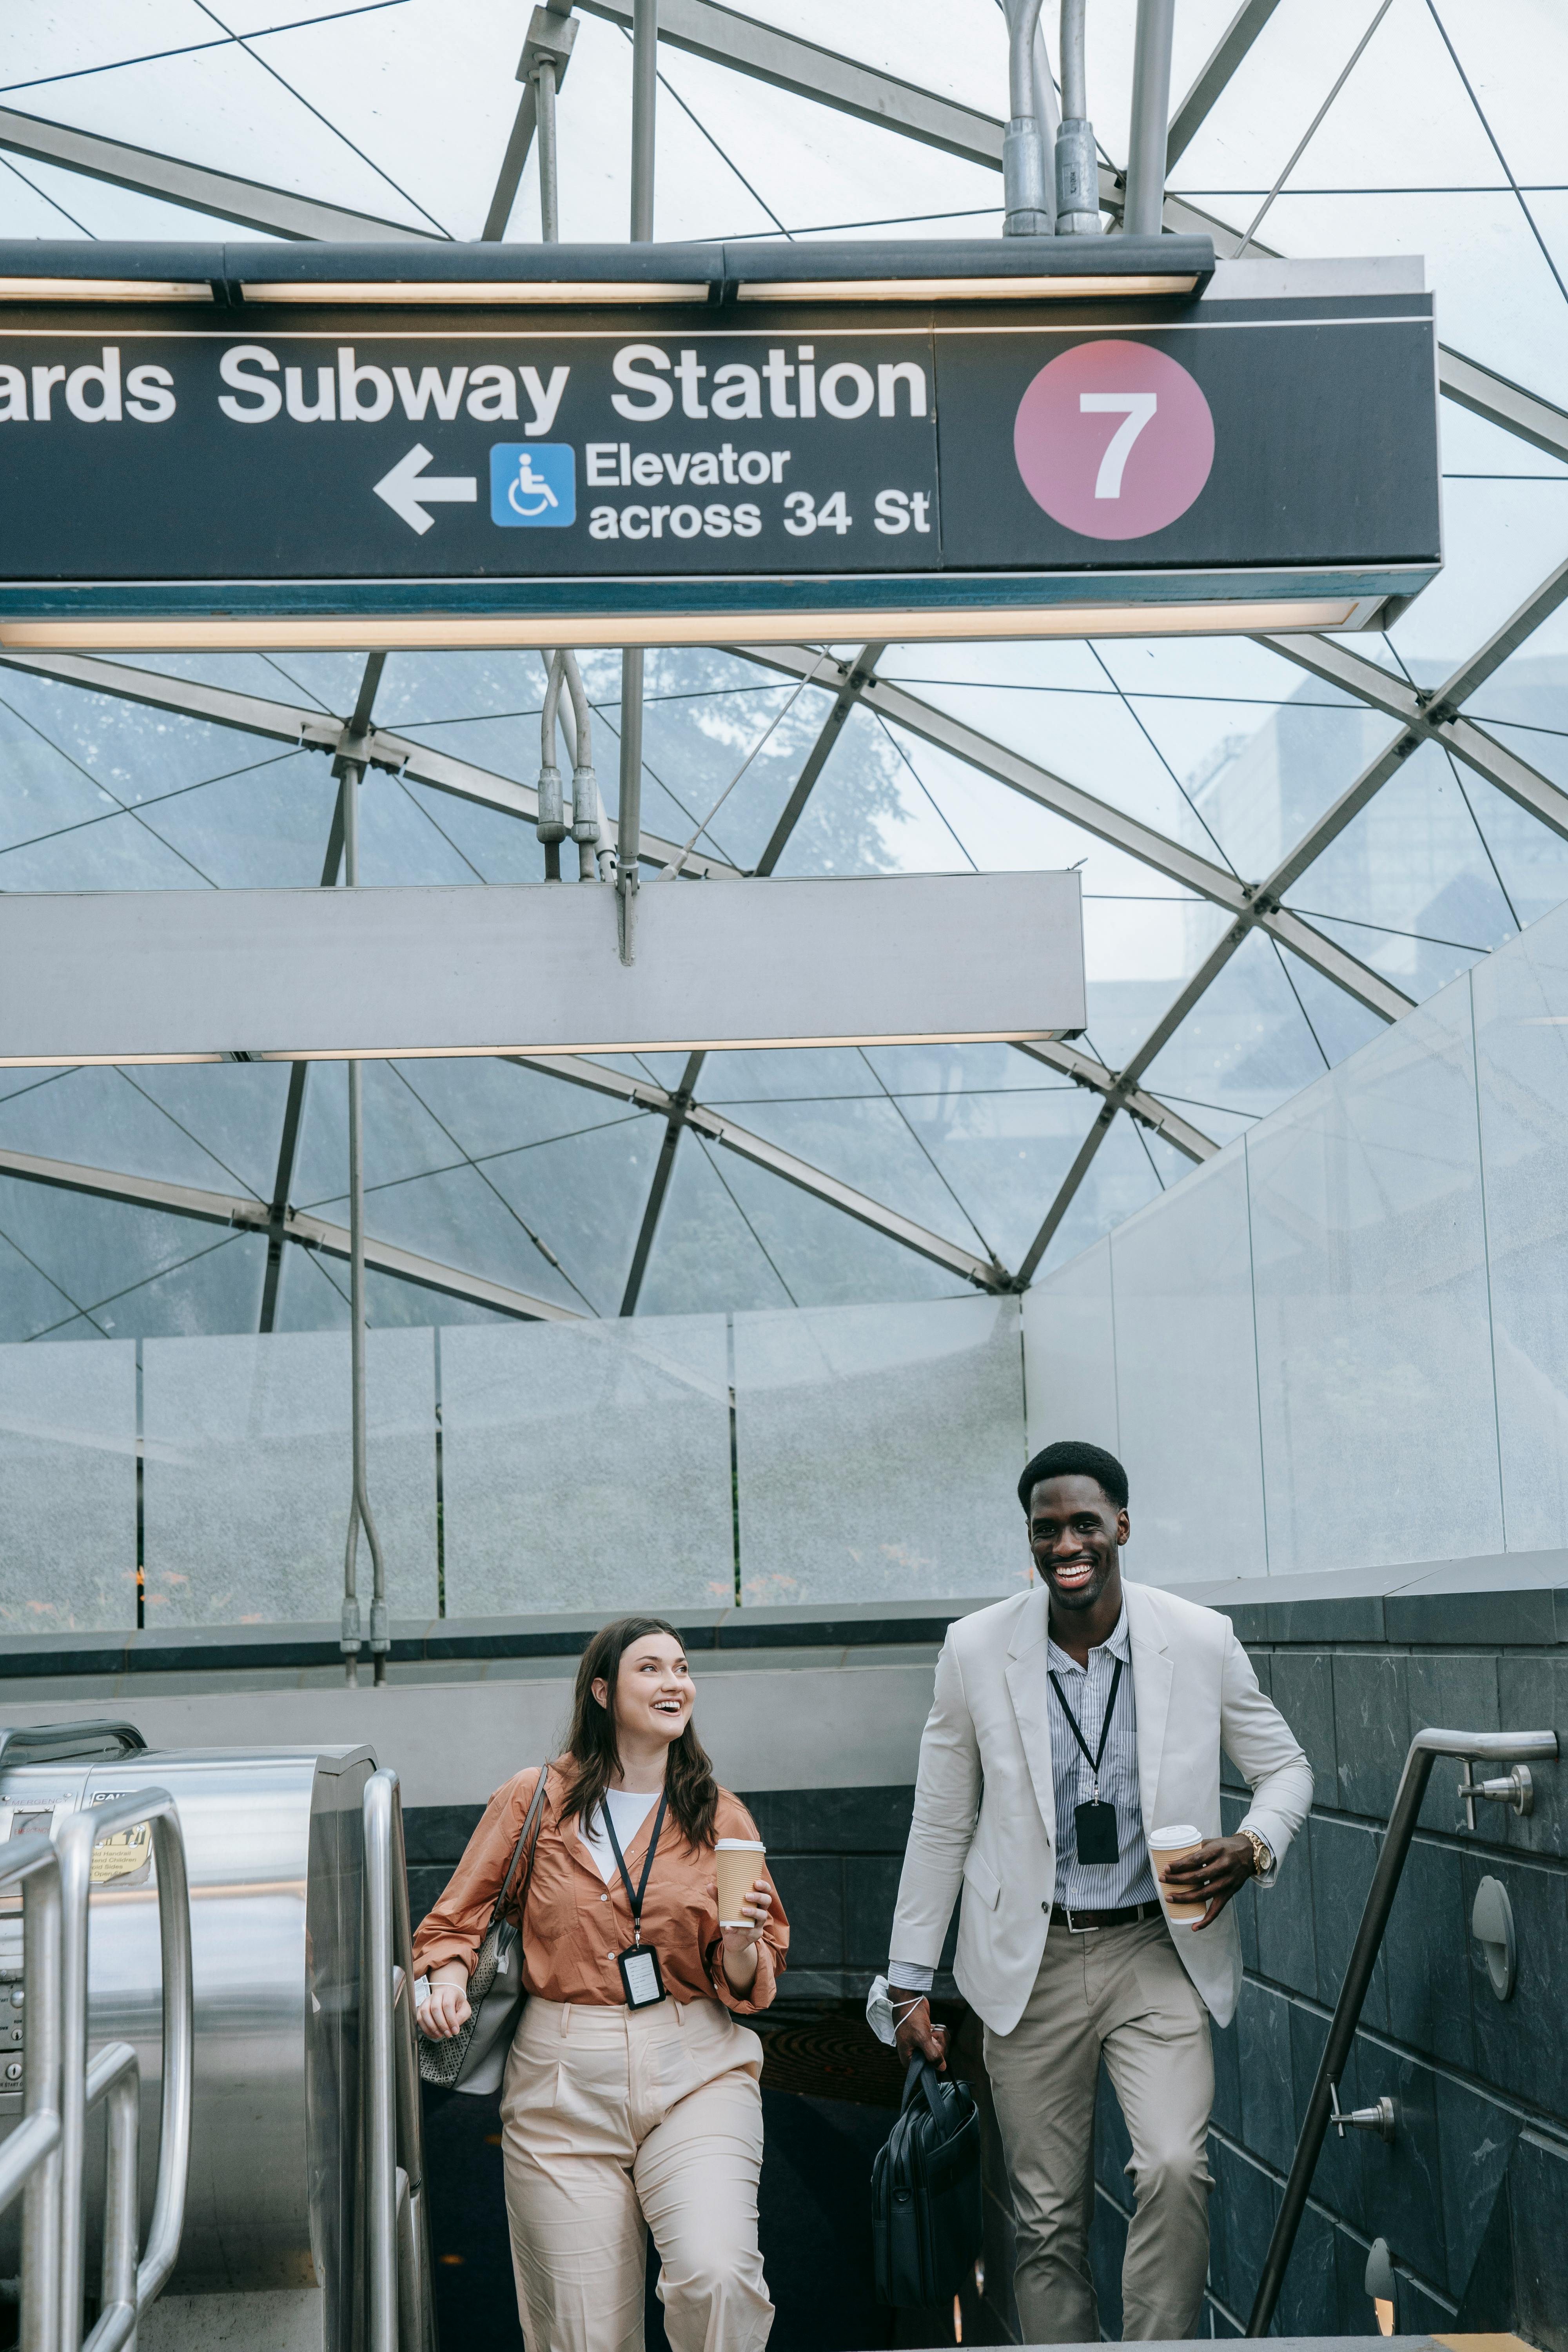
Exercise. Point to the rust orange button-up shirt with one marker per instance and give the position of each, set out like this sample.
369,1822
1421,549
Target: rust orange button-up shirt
575,1925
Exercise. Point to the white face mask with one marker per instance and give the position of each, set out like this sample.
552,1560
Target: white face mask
880,2011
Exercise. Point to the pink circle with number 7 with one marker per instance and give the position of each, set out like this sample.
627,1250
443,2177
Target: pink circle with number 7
1113,439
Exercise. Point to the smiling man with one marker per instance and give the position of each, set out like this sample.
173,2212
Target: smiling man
1070,1723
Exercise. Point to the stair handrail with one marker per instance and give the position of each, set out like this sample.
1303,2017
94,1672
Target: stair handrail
30,2158
1463,1747
394,2132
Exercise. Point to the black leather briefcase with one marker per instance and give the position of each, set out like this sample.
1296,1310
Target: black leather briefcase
926,2217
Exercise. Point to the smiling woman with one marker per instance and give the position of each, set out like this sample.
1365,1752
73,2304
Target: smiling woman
632,2093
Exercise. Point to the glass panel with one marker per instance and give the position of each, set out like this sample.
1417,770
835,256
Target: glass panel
586,1466
247,1455
1521,1064
879,1448
1069,1354
68,1487
1187,1377
1374,1347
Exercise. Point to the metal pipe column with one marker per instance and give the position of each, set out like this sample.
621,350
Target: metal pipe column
1023,153
1148,134
629,820
360,1512
1493,1746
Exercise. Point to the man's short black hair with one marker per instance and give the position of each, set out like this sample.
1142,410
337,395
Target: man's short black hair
1071,1457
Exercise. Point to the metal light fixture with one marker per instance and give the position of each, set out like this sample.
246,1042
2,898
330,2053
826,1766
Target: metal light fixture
104,290
1045,286
1379,2281
1491,1925
403,293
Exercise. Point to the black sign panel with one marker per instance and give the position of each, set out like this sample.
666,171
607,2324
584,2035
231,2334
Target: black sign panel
902,453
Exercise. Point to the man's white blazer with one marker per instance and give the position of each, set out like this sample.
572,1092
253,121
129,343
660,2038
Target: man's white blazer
985,1817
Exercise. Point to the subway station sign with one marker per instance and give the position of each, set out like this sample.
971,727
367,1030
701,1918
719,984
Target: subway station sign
680,452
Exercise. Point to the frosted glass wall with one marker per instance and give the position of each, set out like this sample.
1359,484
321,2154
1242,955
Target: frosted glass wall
588,1465
246,1467
879,1451
1342,1343
68,1487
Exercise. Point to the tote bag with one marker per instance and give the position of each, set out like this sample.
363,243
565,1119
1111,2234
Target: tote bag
475,2057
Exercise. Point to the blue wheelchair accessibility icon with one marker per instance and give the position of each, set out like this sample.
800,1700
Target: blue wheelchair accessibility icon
534,485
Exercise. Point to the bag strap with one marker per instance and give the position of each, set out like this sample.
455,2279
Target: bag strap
532,1821
922,2076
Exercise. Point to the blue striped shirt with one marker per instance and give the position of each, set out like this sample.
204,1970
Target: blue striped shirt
1110,1886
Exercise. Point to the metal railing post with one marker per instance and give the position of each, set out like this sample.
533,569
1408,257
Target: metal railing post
401,2308
74,1842
30,2158
1489,1747
115,2075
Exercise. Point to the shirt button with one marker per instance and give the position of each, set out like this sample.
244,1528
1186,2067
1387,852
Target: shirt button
603,1899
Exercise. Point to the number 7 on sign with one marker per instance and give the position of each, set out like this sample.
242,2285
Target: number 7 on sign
1135,409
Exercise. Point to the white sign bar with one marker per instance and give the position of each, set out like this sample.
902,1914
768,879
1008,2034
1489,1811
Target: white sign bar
280,975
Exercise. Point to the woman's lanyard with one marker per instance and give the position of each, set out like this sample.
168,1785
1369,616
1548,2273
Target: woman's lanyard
1095,1822
640,1973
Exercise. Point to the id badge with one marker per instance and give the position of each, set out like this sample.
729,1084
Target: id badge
640,1976
1096,1833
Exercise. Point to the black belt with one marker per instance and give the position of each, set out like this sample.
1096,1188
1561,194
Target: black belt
1080,1922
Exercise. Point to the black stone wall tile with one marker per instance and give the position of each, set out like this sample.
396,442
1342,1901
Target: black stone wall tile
1112,2143
1533,1697
1350,2285
1303,1692
1337,2182
426,1881
1456,1690
1538,2195
1243,1903
1522,2044
832,1821
1287,1947
1107,2252
1481,1619
1476,2140
811,1888
870,1891
1425,1955
1309,1622
1344,1856
1226,2042
1371,1729
1309,2295
1402,2179
1417,2310
1244,2201
1263,2026
439,1833
1262,1666
1488,2301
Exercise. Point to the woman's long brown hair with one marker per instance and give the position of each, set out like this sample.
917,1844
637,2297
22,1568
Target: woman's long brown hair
593,1759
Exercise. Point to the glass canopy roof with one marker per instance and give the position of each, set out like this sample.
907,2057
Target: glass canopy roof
1402,799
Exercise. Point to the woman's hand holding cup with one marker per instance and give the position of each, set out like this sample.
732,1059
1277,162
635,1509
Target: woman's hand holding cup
739,1937
446,2009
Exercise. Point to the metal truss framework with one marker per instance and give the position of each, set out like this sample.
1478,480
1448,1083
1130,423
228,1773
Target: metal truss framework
742,44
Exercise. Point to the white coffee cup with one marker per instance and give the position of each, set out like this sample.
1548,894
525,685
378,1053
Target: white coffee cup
740,1862
1168,1845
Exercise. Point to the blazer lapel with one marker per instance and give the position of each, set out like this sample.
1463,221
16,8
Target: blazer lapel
1153,1673
1027,1688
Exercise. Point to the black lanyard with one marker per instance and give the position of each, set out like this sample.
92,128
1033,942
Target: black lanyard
635,1899
1092,1761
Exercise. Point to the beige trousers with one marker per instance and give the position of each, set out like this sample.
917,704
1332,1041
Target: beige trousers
615,2118
1121,1990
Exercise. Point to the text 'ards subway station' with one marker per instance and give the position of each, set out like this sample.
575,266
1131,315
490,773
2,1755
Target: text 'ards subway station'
907,448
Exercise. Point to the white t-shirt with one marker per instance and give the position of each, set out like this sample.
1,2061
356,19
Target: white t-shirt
630,1807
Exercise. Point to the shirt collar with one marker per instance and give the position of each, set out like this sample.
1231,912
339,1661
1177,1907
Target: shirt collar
1118,1642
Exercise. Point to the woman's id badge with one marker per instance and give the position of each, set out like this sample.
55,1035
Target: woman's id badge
640,1976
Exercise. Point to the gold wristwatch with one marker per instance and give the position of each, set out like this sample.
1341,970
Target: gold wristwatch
1262,1860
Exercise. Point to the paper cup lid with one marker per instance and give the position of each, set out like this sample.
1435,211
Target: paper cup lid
753,1845
1184,1833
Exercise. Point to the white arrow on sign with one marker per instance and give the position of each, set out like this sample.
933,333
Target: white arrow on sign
408,490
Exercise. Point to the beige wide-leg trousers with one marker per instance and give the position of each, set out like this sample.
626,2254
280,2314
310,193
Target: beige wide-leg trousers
1121,1990
614,2118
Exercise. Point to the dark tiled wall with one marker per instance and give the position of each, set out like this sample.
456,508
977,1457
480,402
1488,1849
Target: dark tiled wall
1472,2194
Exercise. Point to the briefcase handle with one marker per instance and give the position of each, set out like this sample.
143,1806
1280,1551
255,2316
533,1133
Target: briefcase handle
922,2076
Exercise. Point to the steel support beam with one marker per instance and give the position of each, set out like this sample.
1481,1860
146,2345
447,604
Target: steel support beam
986,1273
251,203
255,1216
320,730
1253,905
853,677
293,1112
1203,96
663,1169
1147,1109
